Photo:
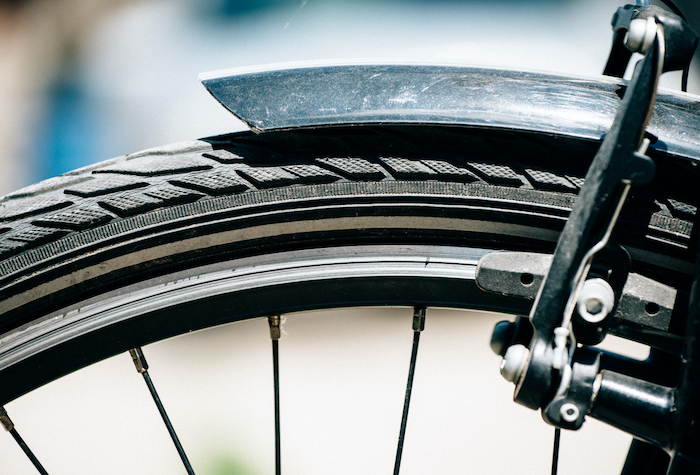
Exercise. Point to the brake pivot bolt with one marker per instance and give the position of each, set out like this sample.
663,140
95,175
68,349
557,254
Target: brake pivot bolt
641,35
514,362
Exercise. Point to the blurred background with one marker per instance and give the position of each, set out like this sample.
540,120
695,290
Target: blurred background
85,80
342,383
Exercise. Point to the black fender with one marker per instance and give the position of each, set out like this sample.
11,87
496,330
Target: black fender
314,96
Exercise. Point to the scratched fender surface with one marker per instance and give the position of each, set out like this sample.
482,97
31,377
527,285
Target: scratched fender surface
312,96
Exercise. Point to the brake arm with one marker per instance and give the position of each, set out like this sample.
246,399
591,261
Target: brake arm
620,163
680,38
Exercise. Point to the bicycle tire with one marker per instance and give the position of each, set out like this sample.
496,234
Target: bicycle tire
166,215
135,204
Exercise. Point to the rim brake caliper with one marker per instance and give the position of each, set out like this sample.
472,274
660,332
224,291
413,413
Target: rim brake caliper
588,270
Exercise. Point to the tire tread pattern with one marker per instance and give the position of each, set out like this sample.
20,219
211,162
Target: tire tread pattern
94,203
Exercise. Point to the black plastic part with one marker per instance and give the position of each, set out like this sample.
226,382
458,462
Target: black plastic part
684,465
686,435
584,371
659,368
617,160
644,458
681,40
506,334
502,336
619,54
637,407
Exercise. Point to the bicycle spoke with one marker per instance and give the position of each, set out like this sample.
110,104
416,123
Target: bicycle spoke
275,333
555,452
418,326
10,427
142,367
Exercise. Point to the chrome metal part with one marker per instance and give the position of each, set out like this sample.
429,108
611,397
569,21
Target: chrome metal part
139,360
5,420
641,35
419,319
514,362
397,266
569,412
644,302
313,95
596,300
275,331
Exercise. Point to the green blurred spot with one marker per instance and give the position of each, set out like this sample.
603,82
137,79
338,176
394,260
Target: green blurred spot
226,464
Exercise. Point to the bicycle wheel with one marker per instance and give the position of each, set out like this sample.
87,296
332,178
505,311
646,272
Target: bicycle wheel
167,241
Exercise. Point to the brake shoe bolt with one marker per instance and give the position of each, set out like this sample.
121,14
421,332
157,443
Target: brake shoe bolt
596,301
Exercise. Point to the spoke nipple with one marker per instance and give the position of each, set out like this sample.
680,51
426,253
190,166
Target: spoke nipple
139,359
5,420
275,330
418,319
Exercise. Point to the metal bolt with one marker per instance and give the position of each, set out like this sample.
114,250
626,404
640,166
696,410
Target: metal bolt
596,301
641,35
514,362
569,412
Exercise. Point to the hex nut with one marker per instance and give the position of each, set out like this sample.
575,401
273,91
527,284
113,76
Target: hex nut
569,412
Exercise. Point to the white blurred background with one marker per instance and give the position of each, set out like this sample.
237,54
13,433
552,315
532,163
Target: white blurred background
342,382
85,80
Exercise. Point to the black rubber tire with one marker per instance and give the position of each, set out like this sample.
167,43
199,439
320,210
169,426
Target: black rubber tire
92,232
